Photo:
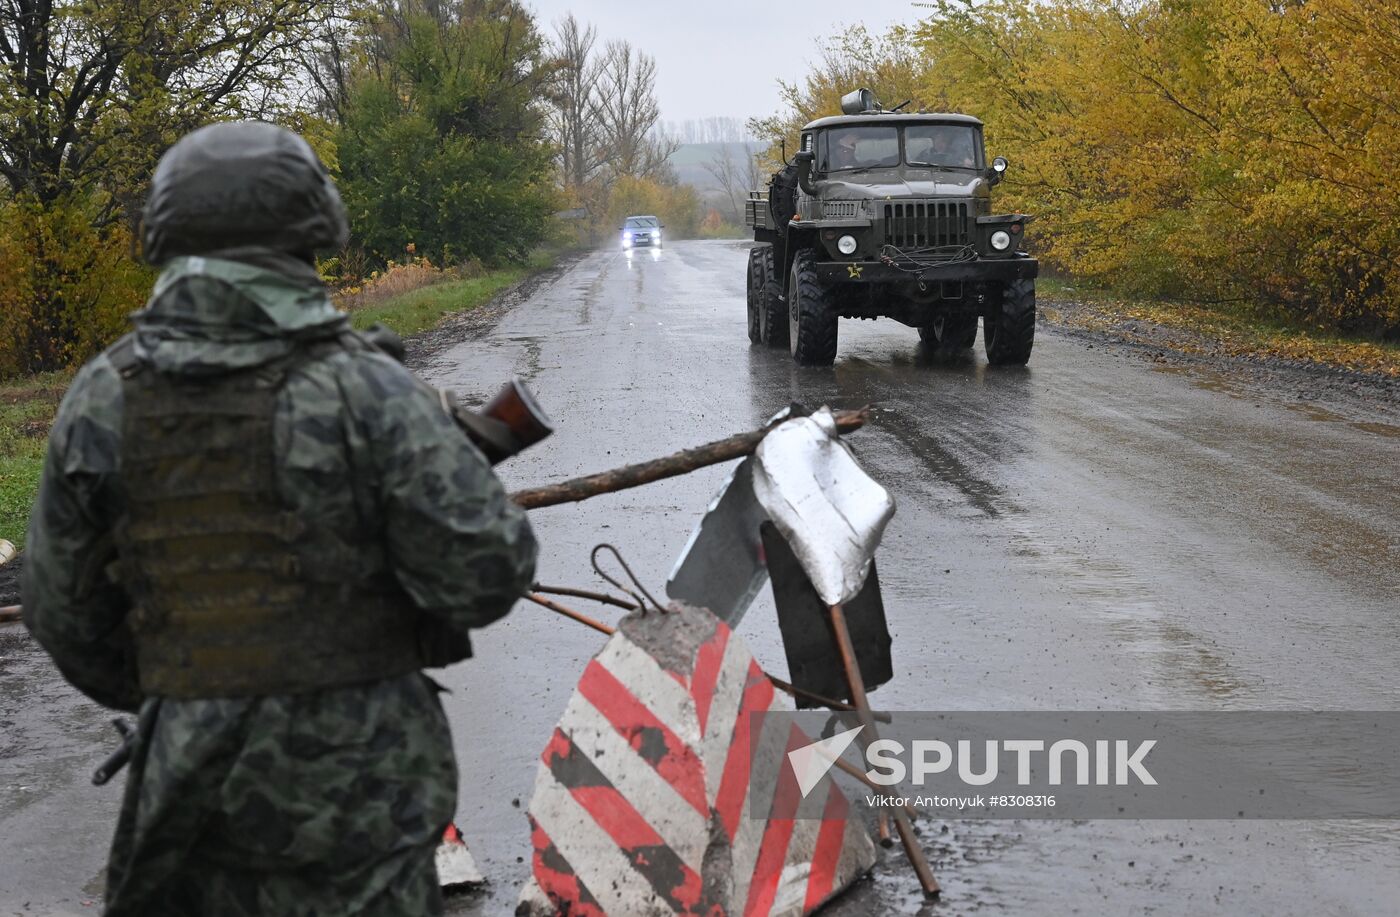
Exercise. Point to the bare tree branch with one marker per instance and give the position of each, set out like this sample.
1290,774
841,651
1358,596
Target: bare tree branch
574,96
627,115
91,93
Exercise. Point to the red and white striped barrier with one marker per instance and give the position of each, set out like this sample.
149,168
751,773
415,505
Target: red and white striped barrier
455,866
640,803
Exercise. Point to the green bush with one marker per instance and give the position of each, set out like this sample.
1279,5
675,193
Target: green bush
440,145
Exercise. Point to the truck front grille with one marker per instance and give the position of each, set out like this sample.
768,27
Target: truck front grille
842,210
924,224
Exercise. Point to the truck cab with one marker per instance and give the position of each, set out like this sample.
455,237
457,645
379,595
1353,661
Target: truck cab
889,215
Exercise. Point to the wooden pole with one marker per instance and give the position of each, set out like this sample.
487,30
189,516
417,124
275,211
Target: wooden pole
684,462
10,614
856,684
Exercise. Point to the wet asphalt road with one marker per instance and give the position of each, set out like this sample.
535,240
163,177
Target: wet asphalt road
1093,532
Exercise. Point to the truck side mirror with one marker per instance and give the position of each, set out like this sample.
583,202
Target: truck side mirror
804,159
998,170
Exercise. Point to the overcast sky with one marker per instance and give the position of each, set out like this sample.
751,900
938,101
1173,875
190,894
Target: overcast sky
724,57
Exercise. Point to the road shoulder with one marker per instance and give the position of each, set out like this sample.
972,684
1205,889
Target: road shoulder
1301,373
458,327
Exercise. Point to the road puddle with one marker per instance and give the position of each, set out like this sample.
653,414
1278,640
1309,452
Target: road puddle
1209,381
1129,605
1320,414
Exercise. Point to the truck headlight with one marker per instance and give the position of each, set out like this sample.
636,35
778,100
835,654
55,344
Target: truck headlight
846,245
1001,240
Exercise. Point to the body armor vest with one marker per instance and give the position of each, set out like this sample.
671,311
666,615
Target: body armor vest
233,594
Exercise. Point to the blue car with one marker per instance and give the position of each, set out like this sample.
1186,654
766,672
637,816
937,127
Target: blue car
641,230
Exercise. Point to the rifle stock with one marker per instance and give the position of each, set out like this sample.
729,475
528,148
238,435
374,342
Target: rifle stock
510,423
117,759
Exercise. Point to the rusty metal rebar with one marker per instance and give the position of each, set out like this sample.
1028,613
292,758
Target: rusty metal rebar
601,597
793,691
860,775
580,617
641,592
669,466
882,828
568,612
856,684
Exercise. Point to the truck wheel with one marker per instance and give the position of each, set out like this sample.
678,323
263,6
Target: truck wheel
811,317
772,320
950,335
755,287
1009,333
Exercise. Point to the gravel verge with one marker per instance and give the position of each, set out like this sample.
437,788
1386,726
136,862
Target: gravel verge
1354,392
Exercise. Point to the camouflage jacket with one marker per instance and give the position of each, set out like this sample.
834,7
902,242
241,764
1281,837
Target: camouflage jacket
361,444
267,804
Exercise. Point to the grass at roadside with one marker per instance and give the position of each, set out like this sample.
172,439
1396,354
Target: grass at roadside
421,309
1219,329
27,408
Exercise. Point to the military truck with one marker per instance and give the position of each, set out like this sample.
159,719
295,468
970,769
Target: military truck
888,214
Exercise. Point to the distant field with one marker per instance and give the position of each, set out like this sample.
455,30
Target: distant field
690,160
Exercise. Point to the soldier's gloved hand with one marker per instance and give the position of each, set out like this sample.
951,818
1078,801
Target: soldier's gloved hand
386,339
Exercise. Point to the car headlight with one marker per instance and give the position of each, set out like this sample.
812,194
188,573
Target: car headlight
1001,240
627,237
846,245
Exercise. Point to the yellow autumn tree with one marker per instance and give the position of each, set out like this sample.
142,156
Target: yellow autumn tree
1240,150
888,65
1220,149
676,205
66,287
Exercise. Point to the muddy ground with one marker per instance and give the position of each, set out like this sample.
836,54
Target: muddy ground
9,582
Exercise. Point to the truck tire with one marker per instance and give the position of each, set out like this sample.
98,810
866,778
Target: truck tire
772,319
782,195
756,283
950,335
811,316
1009,333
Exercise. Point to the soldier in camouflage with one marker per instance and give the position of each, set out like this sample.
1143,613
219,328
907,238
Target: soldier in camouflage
255,528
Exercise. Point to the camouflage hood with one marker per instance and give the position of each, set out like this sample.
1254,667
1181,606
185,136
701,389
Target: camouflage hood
211,315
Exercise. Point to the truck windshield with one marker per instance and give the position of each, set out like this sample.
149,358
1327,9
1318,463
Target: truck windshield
859,148
951,146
